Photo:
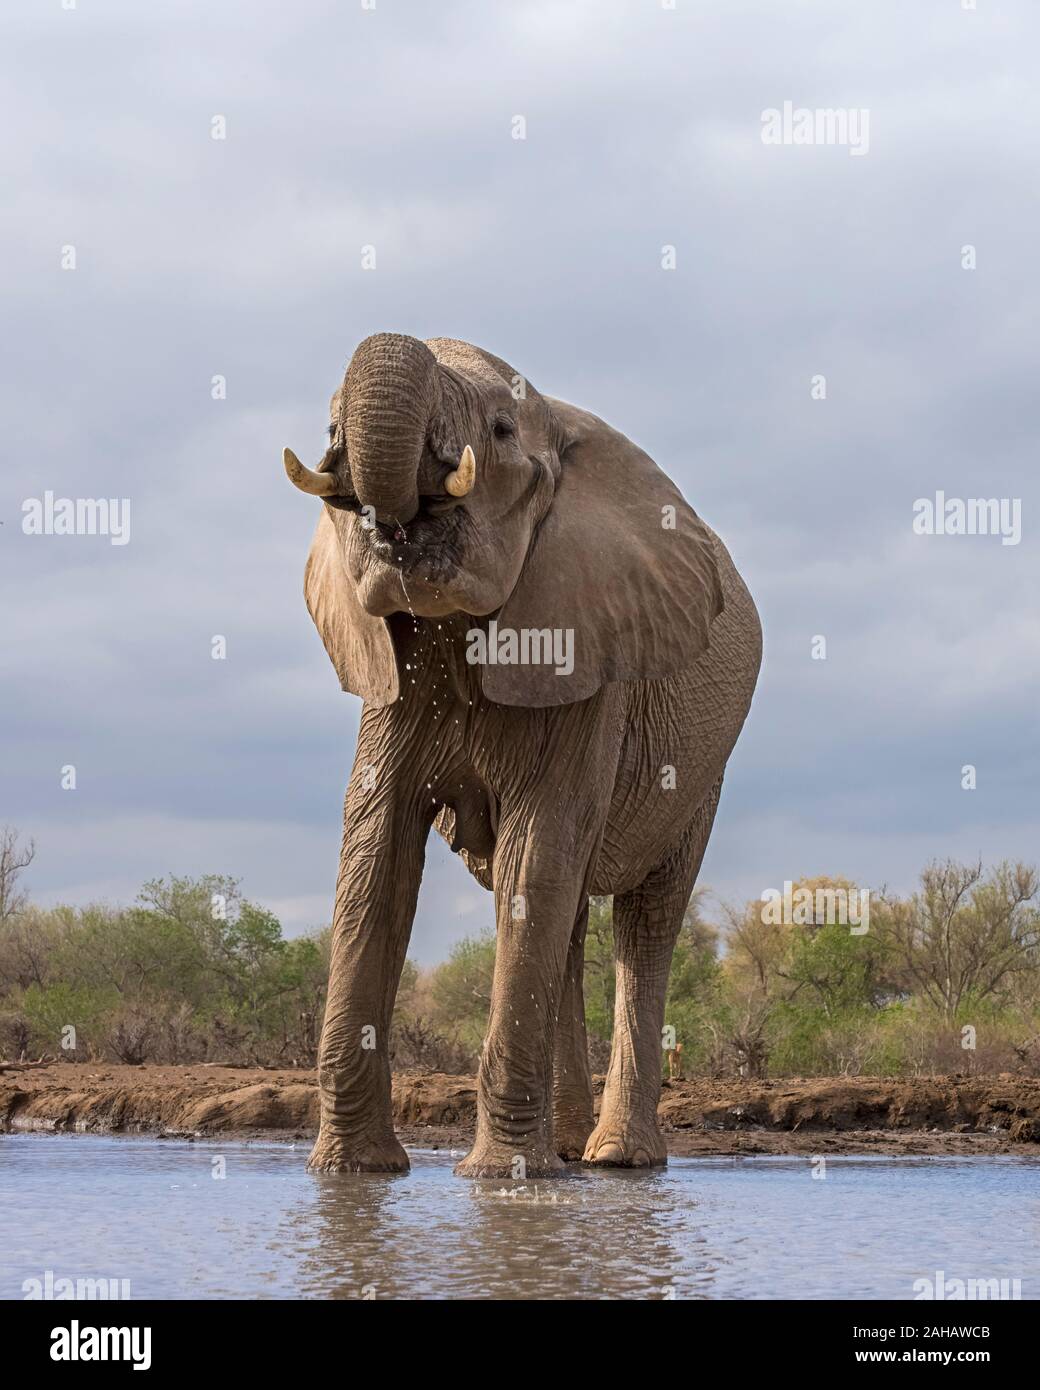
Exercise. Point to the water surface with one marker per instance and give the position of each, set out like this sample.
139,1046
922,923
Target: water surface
151,1211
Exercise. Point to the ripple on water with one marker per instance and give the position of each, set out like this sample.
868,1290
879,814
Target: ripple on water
160,1214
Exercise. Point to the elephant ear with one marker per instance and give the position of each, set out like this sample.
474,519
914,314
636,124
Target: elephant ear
620,562
358,644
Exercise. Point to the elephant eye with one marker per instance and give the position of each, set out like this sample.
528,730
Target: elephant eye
332,431
502,429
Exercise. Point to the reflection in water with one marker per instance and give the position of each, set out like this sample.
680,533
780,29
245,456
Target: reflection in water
554,1240
391,1237
350,1238
153,1212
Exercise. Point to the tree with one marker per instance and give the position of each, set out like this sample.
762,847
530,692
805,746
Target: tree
461,990
827,965
963,936
14,857
789,984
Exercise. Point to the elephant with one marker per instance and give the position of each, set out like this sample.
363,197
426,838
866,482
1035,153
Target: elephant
556,656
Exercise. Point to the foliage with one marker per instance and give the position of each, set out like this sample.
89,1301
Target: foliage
190,972
945,979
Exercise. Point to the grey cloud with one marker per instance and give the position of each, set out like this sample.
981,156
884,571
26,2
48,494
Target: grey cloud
242,258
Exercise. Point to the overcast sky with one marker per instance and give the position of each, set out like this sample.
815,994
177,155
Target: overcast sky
393,127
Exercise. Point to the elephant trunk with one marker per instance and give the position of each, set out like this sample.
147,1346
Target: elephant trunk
391,396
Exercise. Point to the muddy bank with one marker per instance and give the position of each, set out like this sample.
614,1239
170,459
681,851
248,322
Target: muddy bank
934,1115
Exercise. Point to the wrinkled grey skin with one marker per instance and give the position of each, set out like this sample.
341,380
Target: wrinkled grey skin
550,786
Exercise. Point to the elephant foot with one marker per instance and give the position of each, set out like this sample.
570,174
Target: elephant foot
572,1125
571,1141
337,1154
497,1160
619,1146
572,1149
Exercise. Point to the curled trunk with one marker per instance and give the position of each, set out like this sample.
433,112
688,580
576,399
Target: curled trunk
391,394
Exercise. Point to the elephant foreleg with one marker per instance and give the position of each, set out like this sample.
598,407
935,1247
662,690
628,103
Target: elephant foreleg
549,833
572,1080
646,924
536,913
384,837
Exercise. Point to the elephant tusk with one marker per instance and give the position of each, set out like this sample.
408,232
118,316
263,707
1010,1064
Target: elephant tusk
462,479
317,484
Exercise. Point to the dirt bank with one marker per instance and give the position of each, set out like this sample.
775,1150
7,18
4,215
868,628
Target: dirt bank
933,1115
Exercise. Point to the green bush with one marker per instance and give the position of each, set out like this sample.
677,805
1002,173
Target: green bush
946,979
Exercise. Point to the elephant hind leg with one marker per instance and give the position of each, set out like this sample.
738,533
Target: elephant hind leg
646,924
572,1080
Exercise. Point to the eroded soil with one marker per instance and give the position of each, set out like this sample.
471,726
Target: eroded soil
930,1115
